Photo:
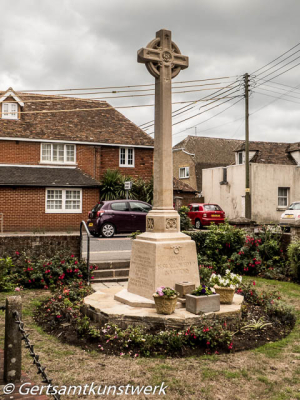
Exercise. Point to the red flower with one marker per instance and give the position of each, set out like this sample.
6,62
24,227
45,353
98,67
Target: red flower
72,255
29,281
17,253
208,343
254,283
75,262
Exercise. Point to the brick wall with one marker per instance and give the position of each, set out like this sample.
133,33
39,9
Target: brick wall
143,162
24,210
39,245
93,160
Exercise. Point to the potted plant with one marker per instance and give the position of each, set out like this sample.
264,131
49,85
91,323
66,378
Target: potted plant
225,285
165,299
202,300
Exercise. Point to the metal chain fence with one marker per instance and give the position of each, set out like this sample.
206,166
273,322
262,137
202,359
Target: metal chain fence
28,345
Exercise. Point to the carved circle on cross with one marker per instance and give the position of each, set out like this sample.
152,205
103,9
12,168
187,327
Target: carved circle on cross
167,57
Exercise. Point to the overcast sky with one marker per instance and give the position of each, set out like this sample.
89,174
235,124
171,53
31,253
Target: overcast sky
57,44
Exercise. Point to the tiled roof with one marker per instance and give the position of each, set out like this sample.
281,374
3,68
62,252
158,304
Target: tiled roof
105,125
269,153
208,150
42,177
182,186
294,147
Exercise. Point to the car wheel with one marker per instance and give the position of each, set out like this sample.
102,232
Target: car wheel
107,230
198,224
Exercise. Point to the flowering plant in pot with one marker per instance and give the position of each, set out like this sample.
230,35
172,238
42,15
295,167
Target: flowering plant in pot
202,300
165,299
225,285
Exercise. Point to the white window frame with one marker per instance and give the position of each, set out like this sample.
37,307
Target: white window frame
186,172
9,114
65,154
283,197
126,157
63,210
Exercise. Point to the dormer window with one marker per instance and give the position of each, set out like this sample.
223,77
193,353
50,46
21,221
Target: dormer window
10,105
9,110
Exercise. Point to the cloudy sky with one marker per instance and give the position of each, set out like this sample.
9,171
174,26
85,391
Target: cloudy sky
64,44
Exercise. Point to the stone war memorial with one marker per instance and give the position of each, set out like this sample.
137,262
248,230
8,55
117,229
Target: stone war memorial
161,256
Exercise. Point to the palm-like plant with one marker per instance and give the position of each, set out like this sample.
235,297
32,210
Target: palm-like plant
111,185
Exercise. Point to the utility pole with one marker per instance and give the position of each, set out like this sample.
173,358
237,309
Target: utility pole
247,164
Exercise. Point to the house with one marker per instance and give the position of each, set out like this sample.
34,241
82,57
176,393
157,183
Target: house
185,192
194,154
274,181
54,150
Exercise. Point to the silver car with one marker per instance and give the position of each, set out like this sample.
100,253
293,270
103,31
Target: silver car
291,215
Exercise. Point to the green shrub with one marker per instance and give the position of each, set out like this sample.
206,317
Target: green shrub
8,277
293,252
185,221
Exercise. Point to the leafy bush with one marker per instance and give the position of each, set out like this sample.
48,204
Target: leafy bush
217,245
41,272
293,252
185,221
8,278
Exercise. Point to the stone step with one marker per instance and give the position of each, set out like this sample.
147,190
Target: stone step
111,273
103,265
118,279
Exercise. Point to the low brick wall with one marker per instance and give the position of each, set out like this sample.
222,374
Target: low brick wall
39,245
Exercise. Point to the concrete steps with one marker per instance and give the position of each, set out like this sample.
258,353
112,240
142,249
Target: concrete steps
111,271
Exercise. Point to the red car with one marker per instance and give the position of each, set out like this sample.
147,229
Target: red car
202,214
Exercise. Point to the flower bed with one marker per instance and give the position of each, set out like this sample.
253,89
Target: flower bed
21,272
61,316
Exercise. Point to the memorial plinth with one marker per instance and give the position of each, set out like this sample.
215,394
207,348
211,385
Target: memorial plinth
162,256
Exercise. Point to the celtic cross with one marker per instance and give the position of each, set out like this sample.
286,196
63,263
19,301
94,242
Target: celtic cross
164,61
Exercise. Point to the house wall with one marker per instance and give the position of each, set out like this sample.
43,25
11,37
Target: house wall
180,160
94,160
265,179
24,210
143,162
229,197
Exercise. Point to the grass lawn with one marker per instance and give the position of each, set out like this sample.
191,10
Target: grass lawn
270,372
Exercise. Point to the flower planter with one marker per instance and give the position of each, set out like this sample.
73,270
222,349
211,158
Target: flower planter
226,294
165,305
202,304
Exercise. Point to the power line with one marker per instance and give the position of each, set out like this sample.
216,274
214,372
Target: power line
276,58
277,98
148,124
283,94
279,63
213,115
278,74
118,87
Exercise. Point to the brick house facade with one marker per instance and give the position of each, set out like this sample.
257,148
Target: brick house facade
53,153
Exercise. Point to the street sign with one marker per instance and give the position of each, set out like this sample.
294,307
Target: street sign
128,185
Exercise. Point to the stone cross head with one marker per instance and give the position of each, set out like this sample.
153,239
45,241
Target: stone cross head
163,53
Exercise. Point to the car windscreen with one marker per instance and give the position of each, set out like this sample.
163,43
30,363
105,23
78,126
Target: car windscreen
212,207
294,206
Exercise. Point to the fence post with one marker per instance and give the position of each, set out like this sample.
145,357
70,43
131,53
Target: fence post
12,346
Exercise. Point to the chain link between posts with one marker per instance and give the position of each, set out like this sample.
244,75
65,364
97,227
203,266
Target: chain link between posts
29,346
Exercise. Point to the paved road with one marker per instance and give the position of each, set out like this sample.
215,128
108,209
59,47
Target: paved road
116,248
